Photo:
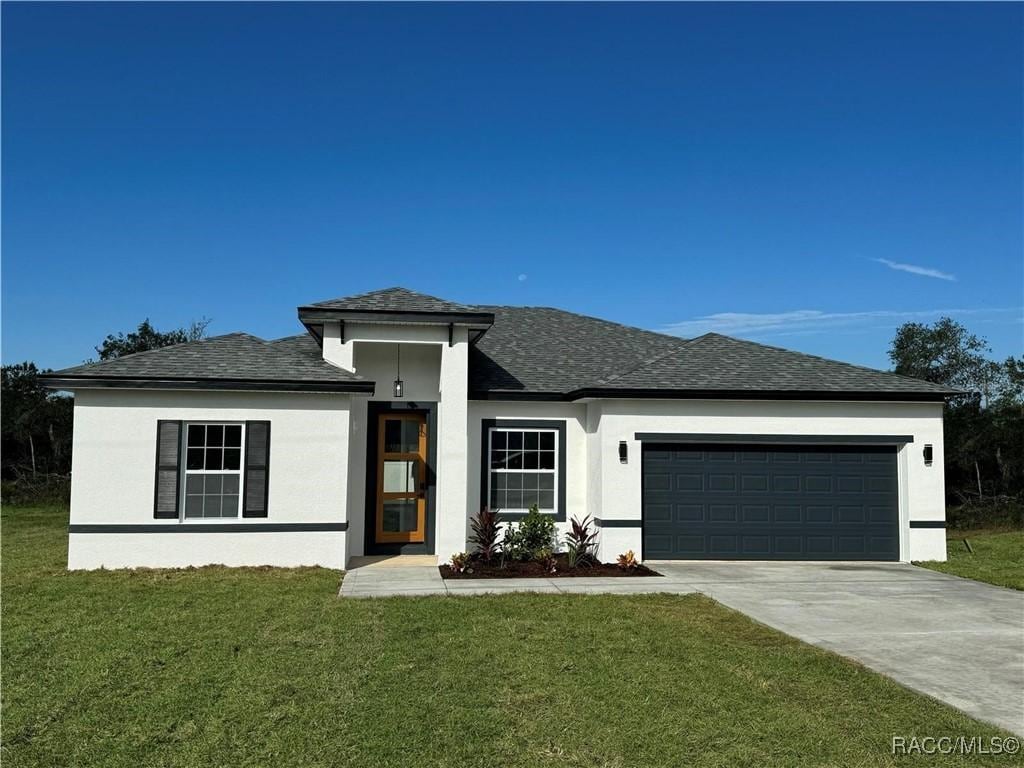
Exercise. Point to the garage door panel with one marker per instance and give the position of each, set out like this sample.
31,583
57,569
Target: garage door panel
658,513
723,513
754,483
790,502
756,513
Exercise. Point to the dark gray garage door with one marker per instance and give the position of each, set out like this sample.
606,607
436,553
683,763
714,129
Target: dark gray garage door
725,502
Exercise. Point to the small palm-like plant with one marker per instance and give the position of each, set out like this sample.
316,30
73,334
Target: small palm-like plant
484,536
581,542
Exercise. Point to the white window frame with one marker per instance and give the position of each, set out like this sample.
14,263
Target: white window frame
554,472
185,472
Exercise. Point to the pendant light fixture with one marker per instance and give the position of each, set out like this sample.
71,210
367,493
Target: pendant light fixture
399,385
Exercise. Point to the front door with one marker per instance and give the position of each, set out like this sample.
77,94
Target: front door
401,516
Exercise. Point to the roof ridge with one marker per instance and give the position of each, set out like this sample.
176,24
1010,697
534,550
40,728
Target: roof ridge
604,320
643,364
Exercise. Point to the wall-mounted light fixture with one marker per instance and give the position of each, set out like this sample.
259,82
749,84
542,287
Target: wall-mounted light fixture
399,385
929,455
623,452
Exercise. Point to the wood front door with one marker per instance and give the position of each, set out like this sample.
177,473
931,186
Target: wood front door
401,478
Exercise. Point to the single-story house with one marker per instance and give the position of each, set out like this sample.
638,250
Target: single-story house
396,416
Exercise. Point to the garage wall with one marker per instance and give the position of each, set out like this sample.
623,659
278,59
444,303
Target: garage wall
921,487
113,475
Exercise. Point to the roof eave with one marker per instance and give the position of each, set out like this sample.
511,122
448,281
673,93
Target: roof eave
313,314
72,382
709,394
757,394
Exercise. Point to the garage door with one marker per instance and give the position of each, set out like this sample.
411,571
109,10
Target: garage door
726,502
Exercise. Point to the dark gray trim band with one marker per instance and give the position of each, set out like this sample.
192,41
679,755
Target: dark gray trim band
204,527
686,437
618,523
257,385
319,314
927,523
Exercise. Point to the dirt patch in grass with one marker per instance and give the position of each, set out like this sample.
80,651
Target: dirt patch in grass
531,569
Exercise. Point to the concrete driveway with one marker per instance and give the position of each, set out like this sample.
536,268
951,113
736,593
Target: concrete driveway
959,641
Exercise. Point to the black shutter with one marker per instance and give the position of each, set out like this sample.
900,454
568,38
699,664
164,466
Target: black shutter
257,468
167,495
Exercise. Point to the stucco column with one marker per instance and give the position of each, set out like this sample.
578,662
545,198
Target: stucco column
452,448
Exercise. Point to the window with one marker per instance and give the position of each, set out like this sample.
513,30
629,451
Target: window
523,469
213,476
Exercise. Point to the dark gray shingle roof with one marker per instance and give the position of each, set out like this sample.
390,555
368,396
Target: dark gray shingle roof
541,349
537,351
233,357
715,362
394,300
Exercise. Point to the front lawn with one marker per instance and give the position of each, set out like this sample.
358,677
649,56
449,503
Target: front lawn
998,557
263,667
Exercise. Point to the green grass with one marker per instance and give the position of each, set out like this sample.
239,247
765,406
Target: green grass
998,557
263,667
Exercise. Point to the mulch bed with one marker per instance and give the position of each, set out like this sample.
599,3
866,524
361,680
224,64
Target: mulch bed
515,569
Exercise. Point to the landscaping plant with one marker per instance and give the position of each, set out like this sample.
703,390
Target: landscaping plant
460,562
484,534
513,544
581,542
546,557
538,532
535,532
628,561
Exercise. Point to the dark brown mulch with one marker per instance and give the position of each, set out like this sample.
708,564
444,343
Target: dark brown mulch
530,569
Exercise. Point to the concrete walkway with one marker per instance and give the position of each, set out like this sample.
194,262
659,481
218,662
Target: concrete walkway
402,576
959,641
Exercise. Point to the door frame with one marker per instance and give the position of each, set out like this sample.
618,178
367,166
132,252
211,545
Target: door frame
374,409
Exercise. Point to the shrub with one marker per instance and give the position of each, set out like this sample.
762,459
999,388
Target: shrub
41,489
538,531
581,542
535,532
627,561
513,546
484,535
991,512
460,562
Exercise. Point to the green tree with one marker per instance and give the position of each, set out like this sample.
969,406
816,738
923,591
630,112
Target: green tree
146,337
984,427
943,353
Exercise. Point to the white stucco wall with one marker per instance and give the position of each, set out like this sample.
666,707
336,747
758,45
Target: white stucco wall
113,475
575,417
922,493
318,461
452,449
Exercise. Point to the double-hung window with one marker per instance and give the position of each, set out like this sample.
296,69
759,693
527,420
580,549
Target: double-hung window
213,470
523,469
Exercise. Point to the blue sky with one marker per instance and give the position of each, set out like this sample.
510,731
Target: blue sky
804,175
